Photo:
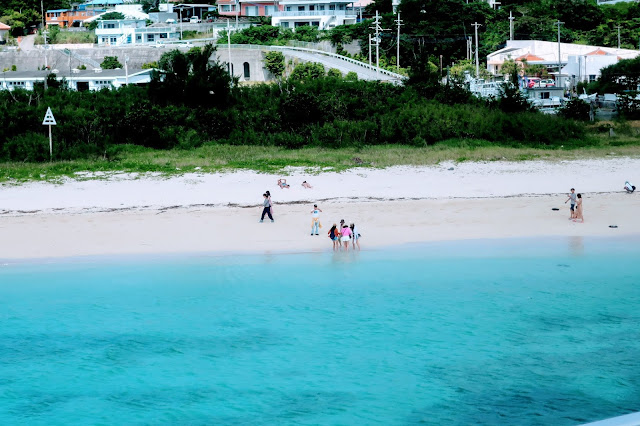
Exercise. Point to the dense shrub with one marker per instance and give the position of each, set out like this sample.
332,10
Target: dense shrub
326,112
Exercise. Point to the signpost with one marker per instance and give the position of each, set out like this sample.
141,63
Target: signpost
49,120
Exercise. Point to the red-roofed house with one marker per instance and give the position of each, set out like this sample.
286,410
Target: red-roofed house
529,58
598,52
4,32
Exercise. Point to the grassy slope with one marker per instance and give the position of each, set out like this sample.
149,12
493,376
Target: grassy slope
212,158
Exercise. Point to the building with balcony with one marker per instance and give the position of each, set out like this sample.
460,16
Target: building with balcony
65,18
322,14
247,7
123,32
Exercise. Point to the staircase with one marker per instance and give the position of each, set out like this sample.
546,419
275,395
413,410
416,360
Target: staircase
82,59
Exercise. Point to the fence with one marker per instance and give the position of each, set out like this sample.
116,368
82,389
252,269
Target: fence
398,78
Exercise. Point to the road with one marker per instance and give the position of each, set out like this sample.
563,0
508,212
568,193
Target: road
342,65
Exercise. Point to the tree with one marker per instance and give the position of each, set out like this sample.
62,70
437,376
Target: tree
307,71
274,63
192,78
110,63
334,72
625,75
576,109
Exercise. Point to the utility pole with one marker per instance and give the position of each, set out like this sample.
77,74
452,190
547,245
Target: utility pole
369,49
378,28
618,27
476,25
511,18
399,22
559,57
229,45
237,13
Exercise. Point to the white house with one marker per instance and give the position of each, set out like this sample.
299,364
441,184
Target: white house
4,32
578,62
324,14
81,80
122,32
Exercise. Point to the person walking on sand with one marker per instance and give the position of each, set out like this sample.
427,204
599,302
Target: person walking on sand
579,216
334,234
270,203
572,197
346,236
355,236
315,219
266,208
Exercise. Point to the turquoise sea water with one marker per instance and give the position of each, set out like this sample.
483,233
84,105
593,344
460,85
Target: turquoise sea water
513,332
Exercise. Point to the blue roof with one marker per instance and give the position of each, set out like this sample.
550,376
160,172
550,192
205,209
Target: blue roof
102,2
58,10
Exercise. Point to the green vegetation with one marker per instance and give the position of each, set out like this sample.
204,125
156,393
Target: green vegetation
274,63
110,63
57,36
213,157
193,103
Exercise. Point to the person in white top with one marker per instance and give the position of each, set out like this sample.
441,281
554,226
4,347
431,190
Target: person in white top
355,237
315,219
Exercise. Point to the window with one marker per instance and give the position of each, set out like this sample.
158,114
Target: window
285,24
110,26
545,95
226,8
288,8
312,7
332,7
342,7
113,40
592,78
321,7
315,23
139,37
163,35
268,10
151,37
105,39
247,71
300,8
251,10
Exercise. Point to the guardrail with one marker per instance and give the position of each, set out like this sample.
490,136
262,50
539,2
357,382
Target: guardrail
394,76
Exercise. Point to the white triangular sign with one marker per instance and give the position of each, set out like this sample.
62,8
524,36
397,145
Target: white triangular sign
48,118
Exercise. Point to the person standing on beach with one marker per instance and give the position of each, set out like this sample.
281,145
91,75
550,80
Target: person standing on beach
346,236
315,219
355,236
266,208
578,215
334,235
572,197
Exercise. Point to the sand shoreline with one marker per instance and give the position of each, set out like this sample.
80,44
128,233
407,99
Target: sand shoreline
236,230
216,213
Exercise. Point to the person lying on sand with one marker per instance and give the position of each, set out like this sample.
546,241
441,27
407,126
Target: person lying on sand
282,183
306,185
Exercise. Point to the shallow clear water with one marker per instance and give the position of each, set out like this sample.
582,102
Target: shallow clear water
488,332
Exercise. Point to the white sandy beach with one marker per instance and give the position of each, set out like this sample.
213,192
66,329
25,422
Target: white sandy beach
122,214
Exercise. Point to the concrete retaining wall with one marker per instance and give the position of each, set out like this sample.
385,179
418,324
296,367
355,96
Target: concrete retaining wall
56,59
